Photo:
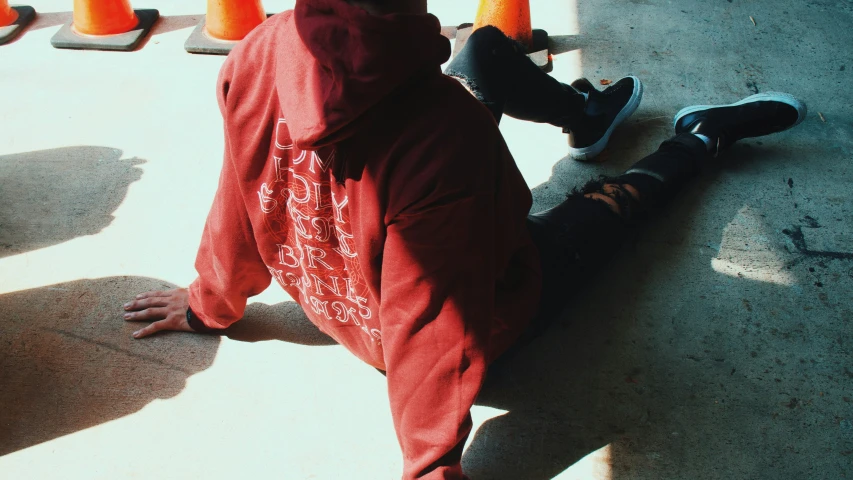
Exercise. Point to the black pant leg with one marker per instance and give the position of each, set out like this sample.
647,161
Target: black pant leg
574,242
661,175
498,72
578,237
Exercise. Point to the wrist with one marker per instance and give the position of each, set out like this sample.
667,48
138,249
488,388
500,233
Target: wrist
196,324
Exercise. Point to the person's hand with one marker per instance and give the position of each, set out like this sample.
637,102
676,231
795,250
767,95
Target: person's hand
168,310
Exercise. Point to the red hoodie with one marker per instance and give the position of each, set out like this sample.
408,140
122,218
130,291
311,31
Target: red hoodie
381,196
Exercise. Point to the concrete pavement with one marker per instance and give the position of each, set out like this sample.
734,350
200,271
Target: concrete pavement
717,345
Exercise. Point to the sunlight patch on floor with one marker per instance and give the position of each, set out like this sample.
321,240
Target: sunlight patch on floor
747,251
595,466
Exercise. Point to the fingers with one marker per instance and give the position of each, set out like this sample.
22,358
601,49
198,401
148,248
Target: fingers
166,308
150,329
154,293
172,322
147,314
146,303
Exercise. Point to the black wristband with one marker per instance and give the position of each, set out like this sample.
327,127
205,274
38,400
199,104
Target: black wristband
197,324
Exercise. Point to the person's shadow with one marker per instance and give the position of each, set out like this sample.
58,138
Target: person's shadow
67,360
64,364
67,363
664,377
666,362
51,196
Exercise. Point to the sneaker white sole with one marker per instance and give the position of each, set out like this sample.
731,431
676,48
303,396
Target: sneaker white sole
585,154
785,98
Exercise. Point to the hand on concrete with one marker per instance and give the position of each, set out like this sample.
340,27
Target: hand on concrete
168,307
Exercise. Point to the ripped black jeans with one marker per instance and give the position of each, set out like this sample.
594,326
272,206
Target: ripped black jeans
578,237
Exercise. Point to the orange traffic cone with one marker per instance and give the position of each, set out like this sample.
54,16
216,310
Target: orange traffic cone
105,25
226,23
13,20
108,17
7,15
512,17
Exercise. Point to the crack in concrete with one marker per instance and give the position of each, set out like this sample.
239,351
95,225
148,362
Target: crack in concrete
799,240
118,349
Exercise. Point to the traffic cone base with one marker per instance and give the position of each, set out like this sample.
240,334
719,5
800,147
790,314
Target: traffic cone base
200,41
25,16
67,37
539,54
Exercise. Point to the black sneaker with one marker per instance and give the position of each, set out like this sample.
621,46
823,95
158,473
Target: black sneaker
604,111
584,85
754,116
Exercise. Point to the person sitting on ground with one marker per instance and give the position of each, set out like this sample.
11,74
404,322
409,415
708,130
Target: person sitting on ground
379,193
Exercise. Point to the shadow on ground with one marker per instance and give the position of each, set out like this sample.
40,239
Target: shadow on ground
723,376
49,19
285,321
168,24
172,23
42,204
68,361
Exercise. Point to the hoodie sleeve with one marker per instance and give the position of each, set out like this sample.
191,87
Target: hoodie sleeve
230,269
438,283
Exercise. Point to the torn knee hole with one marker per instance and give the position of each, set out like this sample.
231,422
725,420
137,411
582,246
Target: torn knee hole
467,83
600,197
620,198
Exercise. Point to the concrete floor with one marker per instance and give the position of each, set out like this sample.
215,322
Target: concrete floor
717,346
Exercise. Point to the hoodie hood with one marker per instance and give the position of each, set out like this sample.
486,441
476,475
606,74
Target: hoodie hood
340,61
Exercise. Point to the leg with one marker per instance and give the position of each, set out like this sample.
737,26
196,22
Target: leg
500,75
497,71
581,234
578,237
